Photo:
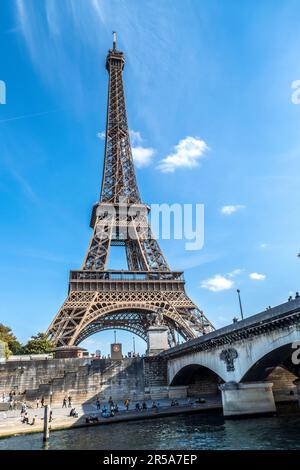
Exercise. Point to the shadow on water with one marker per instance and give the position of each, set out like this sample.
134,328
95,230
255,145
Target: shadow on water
200,431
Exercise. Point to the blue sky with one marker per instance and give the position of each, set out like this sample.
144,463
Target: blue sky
217,71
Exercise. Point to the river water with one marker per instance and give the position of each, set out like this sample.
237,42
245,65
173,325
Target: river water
197,431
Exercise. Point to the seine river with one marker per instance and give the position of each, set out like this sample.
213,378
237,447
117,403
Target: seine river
196,431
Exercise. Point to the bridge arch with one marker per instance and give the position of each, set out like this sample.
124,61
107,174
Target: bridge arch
205,359
261,369
130,316
264,352
199,379
126,320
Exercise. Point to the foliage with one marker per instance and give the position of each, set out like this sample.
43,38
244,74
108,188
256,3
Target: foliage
6,335
38,344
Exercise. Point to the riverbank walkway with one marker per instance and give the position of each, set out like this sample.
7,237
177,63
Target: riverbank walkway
10,421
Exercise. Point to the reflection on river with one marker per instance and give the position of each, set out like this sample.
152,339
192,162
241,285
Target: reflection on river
198,431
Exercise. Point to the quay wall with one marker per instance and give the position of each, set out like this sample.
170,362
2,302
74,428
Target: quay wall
84,379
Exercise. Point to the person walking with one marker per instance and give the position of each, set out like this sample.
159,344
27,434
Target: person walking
43,402
110,403
98,404
23,409
126,404
69,401
37,402
64,405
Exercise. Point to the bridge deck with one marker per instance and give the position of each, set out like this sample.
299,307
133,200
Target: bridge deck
287,313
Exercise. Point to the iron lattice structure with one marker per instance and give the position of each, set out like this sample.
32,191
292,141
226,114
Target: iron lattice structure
99,298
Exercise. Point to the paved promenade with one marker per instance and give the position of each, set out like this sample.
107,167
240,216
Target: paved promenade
10,421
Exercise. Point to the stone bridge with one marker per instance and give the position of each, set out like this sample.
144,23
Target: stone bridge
240,359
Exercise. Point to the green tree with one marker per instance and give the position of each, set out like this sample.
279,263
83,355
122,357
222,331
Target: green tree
9,338
38,344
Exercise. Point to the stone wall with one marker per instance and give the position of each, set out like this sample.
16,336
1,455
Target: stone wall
284,388
205,382
156,372
83,379
156,378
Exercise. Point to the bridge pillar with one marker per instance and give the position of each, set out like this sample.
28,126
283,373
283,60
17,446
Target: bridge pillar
253,398
297,383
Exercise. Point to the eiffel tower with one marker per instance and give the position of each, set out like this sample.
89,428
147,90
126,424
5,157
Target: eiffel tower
99,298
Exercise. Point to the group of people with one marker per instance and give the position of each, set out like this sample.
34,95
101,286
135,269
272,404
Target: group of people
113,407
11,400
25,416
67,402
42,402
74,413
143,406
296,297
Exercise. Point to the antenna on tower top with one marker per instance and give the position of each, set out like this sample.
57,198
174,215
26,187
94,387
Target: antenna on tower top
114,40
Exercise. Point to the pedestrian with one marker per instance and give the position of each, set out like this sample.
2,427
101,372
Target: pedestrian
110,402
37,402
64,403
98,404
104,412
69,401
23,408
50,416
43,402
126,404
25,419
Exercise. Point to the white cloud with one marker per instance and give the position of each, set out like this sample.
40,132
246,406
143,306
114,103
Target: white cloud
101,135
230,209
187,154
135,137
217,283
142,156
257,276
235,272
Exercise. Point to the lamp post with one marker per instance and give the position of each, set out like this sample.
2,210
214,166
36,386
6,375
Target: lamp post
241,309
